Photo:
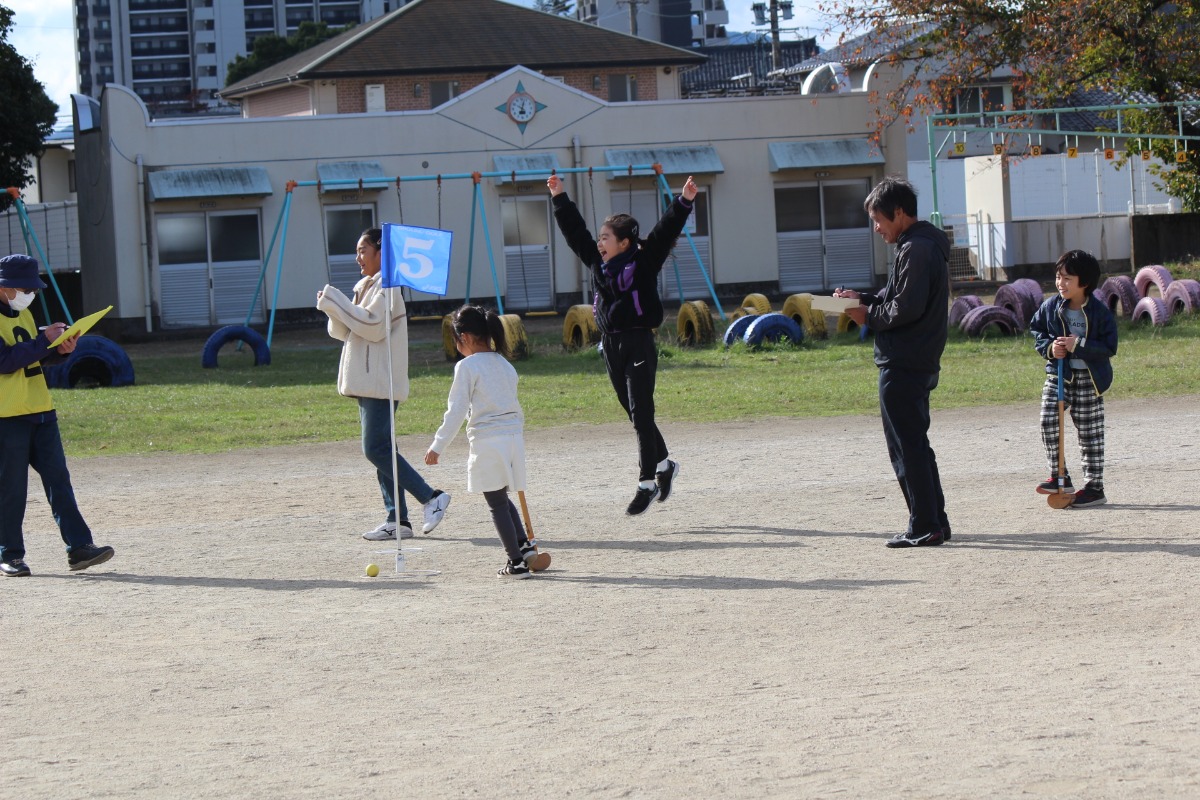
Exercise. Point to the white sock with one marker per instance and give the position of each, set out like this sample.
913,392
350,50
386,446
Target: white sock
646,484
662,465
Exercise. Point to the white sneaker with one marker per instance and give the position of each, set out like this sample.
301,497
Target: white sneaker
435,509
387,531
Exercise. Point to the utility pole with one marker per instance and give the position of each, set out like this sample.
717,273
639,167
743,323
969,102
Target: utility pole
768,14
633,12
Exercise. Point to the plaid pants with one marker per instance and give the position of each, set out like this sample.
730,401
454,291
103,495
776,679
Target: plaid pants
1087,412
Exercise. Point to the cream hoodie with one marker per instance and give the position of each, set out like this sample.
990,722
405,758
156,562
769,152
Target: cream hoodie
361,324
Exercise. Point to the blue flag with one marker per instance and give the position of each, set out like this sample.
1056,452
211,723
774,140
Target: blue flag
416,257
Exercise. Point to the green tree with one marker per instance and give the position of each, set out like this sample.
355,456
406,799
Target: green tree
1135,49
271,49
26,113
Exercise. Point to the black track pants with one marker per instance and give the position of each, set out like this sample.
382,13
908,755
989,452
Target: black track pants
632,361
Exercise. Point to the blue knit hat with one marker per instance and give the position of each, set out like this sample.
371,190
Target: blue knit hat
20,272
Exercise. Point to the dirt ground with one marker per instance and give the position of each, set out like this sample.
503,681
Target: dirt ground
752,637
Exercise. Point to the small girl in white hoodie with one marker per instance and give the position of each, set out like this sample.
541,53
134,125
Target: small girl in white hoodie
484,393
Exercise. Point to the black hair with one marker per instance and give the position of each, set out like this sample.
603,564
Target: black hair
483,323
1082,265
890,194
374,236
623,226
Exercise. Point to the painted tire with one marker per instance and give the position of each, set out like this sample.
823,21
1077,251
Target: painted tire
514,334
448,347
1119,293
96,361
845,324
773,327
744,311
1153,275
960,307
758,301
1017,301
1152,310
799,308
579,328
694,327
235,333
737,329
1033,290
977,320
1183,296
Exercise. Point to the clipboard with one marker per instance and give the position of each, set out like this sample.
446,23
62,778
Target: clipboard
832,305
80,326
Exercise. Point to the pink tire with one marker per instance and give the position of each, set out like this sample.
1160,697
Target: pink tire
1152,310
1153,275
1120,294
979,319
1182,296
1032,288
960,307
1017,301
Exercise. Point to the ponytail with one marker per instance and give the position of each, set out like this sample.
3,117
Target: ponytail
483,323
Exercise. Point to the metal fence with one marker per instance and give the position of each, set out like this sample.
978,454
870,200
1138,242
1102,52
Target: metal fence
57,228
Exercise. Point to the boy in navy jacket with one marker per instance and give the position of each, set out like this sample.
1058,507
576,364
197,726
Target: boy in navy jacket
1076,326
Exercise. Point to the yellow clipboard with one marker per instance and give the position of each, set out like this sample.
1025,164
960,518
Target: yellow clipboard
80,326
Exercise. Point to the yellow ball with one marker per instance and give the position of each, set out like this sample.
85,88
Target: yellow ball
372,570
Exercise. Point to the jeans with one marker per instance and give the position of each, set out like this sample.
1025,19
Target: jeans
632,360
904,407
30,442
377,444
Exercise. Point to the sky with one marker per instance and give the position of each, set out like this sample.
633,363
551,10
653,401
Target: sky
43,32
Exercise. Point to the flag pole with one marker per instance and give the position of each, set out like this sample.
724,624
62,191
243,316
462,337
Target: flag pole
396,499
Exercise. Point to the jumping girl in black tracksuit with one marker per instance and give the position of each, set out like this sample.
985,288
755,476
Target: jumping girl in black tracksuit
628,309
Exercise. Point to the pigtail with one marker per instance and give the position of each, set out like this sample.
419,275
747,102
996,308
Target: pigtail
495,328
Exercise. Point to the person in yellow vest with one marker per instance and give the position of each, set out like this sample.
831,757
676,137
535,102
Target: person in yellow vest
29,434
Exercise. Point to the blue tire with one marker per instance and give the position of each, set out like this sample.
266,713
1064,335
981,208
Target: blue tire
96,361
773,327
737,329
238,333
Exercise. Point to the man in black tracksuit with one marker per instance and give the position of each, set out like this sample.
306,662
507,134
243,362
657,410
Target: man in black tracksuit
625,272
909,318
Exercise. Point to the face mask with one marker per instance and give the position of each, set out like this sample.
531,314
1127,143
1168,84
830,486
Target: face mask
21,301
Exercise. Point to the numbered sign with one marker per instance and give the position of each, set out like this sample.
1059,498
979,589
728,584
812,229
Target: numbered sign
416,257
1181,157
1036,150
1145,155
1072,152
997,149
960,148
1109,154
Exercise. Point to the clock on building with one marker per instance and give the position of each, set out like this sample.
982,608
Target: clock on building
521,107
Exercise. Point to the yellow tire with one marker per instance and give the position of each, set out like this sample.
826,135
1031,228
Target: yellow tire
744,311
579,328
758,301
448,338
514,334
845,324
695,326
799,307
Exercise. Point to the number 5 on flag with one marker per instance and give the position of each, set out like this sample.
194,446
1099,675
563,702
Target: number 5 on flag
416,257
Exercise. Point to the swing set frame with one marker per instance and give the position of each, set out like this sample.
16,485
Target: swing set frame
478,209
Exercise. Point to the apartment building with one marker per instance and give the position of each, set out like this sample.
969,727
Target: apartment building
173,53
680,23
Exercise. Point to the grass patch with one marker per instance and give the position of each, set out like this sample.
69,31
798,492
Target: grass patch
179,407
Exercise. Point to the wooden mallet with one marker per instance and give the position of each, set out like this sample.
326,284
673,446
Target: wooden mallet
542,560
1062,498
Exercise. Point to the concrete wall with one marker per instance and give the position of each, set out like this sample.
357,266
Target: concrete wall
1159,238
460,137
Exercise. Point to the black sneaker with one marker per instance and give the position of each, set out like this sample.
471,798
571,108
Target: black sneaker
15,568
528,552
1088,497
641,501
88,555
664,479
931,539
514,569
1051,486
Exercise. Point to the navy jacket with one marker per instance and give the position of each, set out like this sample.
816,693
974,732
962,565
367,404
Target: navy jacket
626,286
908,315
1096,347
